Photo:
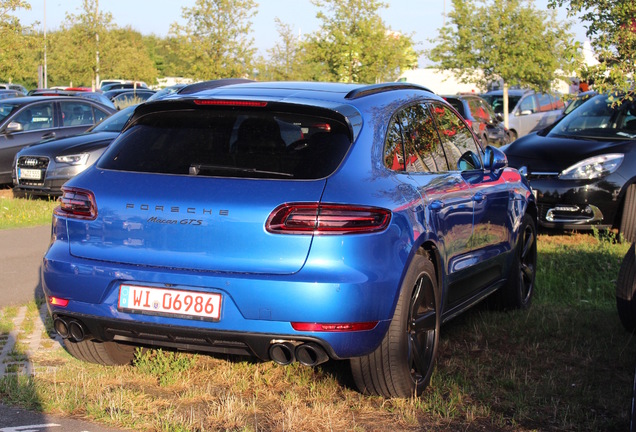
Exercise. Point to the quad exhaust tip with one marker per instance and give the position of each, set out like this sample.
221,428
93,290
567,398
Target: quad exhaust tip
70,329
286,352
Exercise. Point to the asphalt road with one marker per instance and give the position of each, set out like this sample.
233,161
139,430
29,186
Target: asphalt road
21,252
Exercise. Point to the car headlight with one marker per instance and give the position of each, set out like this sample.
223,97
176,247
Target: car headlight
594,167
76,159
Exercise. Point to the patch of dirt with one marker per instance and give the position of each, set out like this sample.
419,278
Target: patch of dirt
6,193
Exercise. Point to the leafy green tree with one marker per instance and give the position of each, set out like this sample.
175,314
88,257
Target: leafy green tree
216,42
353,44
508,40
287,59
18,59
91,35
611,28
86,28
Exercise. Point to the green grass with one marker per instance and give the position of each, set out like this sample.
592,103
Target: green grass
565,364
20,212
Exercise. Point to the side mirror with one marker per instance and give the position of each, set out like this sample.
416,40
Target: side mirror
525,112
14,127
495,159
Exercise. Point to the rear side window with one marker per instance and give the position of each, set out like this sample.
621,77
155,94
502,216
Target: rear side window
220,143
77,114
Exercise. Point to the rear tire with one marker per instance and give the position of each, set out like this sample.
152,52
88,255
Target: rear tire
517,294
628,219
403,363
104,353
512,135
625,290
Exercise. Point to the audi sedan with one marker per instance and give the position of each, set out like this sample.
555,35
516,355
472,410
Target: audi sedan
583,168
31,119
293,222
42,169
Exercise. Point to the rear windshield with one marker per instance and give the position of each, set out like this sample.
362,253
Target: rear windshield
230,144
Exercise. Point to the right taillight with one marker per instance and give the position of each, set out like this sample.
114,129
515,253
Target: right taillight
321,219
77,203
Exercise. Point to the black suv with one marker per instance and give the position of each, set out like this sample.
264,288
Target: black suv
480,117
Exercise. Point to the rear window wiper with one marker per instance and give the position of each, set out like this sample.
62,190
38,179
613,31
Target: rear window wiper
195,169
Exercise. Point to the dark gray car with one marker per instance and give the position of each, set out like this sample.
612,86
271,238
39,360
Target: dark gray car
29,120
43,168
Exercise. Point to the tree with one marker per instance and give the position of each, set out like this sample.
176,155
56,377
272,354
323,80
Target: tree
353,44
215,42
508,40
18,57
286,58
86,28
611,28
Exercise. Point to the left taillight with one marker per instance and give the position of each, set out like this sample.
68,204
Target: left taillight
321,219
77,203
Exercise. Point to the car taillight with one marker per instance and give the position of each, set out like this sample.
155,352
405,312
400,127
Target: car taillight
334,327
316,218
57,301
230,103
77,203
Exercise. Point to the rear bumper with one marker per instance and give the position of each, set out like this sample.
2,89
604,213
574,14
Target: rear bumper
255,309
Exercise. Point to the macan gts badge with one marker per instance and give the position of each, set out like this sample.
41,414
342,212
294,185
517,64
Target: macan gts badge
292,222
174,213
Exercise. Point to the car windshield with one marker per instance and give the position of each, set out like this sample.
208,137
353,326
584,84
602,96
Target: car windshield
114,123
599,117
496,102
6,109
230,144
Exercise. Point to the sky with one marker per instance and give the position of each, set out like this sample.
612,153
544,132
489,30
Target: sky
419,18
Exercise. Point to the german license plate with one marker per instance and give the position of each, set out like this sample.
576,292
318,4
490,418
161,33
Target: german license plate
29,174
163,301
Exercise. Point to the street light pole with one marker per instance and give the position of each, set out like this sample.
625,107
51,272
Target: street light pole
44,81
96,45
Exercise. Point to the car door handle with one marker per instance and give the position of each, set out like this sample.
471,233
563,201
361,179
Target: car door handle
436,205
479,197
48,135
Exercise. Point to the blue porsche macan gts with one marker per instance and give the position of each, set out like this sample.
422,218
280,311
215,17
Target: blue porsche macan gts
290,222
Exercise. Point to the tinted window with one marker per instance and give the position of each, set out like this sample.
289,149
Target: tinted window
230,144
422,147
36,116
599,118
77,114
458,105
528,103
393,150
456,138
545,102
6,109
496,101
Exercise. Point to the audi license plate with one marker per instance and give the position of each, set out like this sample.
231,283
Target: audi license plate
29,174
163,301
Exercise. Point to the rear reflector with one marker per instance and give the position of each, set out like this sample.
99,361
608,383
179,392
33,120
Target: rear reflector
77,203
320,219
334,327
230,103
56,301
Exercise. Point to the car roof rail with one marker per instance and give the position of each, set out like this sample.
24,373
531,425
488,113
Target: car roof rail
384,87
212,84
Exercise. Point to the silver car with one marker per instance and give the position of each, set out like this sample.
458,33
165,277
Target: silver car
43,168
527,111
